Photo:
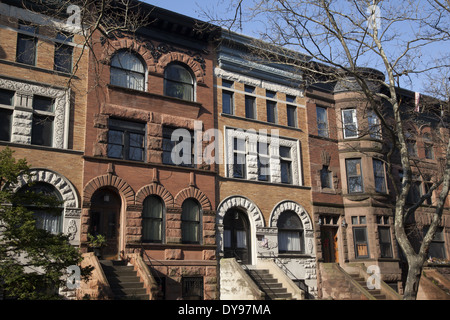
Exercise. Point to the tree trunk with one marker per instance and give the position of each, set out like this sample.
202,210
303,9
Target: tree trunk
413,279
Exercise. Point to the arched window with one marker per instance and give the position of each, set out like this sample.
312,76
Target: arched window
49,219
178,82
127,71
152,220
290,233
190,221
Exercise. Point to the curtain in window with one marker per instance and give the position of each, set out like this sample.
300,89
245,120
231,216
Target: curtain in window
227,238
241,239
52,222
178,82
290,232
190,221
127,71
289,241
152,223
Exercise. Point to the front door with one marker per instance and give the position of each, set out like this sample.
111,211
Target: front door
105,213
329,244
236,236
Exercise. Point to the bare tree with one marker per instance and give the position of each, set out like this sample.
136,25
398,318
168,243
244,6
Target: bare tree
343,39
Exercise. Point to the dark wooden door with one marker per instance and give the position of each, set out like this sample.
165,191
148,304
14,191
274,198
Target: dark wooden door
329,244
105,220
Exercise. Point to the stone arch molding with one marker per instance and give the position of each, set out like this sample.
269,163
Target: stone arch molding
71,211
62,185
195,193
109,180
154,189
156,58
288,205
253,212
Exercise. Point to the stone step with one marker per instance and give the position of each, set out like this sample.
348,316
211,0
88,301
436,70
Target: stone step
123,280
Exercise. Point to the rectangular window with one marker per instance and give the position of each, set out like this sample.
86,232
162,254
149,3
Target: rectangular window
250,103
271,106
286,165
239,158
325,178
43,119
26,45
192,288
384,234
374,125
427,186
178,147
227,98
5,124
263,162
126,140
350,123
429,153
63,53
6,112
415,192
322,122
437,245
379,177
354,175
361,244
291,111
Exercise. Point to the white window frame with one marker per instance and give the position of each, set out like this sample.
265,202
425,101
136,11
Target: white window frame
355,123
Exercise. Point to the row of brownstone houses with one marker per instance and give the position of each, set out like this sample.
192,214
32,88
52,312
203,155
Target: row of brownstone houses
288,184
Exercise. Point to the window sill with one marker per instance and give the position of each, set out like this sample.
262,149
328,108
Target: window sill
35,68
267,123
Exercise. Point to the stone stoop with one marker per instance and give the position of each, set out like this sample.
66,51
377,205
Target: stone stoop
124,281
269,285
374,292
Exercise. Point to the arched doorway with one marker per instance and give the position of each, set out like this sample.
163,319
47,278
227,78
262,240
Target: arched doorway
105,220
236,236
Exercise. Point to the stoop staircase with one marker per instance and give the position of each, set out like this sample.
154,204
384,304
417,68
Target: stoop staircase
269,285
374,292
124,281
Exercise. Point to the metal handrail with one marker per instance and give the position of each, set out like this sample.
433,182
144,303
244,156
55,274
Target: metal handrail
143,252
300,283
253,275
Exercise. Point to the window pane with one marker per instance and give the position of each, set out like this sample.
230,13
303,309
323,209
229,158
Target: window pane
115,137
63,58
286,172
325,177
6,97
250,111
349,123
271,111
378,171
43,103
152,219
360,238
285,152
5,124
178,82
322,122
26,49
354,177
385,242
291,116
127,71
227,102
42,131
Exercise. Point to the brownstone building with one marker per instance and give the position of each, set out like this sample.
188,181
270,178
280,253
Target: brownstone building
151,93
353,196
